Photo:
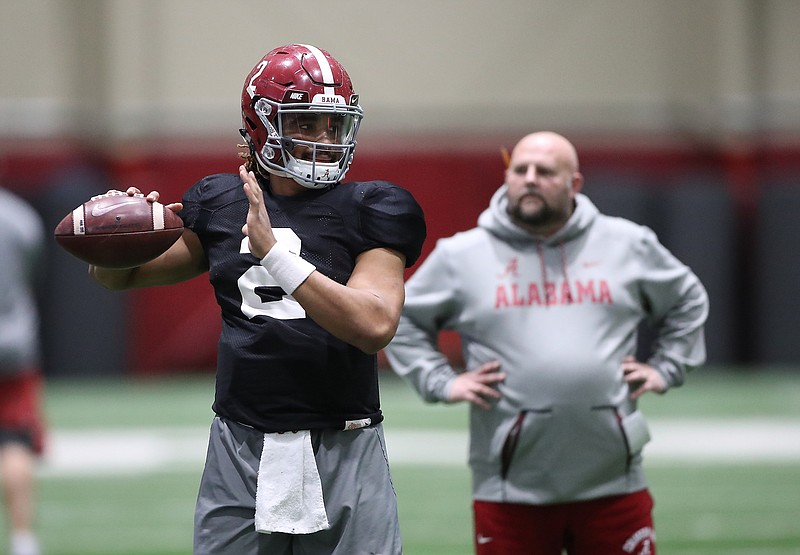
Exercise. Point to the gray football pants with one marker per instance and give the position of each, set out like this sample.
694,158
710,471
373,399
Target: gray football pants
359,496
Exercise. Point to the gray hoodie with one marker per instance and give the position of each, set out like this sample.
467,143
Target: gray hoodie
21,244
560,314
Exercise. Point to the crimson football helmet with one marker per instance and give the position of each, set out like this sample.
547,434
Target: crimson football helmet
300,115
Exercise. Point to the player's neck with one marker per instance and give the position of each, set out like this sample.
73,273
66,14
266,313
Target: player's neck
285,186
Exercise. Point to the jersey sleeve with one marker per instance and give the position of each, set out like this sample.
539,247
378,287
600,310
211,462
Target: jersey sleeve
390,217
207,195
191,200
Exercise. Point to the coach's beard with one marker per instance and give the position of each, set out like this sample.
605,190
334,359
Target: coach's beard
538,217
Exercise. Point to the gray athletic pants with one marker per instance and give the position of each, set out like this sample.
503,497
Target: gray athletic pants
359,496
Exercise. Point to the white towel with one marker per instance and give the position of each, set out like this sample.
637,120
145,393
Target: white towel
289,491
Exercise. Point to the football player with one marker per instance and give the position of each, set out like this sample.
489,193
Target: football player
308,273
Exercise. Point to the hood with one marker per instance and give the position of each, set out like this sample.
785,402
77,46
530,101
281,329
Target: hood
497,221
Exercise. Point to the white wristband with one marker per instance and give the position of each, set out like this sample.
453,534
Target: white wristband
286,268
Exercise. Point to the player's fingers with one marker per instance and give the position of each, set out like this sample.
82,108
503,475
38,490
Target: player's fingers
249,178
252,190
130,191
248,189
175,206
244,175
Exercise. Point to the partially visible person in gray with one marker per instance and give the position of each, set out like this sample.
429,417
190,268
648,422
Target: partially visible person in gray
21,426
547,295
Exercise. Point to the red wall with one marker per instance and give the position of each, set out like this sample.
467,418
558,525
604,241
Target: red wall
176,327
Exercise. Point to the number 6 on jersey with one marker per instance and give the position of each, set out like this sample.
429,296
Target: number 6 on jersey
261,294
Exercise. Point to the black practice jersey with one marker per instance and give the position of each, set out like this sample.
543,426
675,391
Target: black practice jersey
277,370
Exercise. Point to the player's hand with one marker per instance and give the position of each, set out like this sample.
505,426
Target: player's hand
152,196
130,191
477,386
641,378
258,227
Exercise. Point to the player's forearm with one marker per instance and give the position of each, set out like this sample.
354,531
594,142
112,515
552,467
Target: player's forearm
129,278
182,261
110,278
366,319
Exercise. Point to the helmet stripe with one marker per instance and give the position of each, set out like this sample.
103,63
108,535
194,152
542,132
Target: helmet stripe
324,66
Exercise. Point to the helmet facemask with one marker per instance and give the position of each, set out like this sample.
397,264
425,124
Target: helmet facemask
312,144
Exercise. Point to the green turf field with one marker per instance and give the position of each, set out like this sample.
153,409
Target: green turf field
703,507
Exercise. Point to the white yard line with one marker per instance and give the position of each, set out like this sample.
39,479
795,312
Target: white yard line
724,441
142,450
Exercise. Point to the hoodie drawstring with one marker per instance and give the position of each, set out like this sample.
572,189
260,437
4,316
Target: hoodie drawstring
563,250
540,250
564,269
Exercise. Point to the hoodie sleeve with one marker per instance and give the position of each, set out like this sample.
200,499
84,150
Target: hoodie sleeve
430,304
678,305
